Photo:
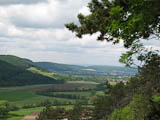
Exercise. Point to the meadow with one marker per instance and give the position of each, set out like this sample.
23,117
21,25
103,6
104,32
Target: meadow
26,95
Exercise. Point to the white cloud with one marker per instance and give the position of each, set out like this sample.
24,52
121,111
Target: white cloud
84,10
36,31
52,14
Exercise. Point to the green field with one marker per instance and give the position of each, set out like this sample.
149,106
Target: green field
14,96
83,82
17,115
27,94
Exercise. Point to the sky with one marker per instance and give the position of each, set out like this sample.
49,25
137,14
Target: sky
35,29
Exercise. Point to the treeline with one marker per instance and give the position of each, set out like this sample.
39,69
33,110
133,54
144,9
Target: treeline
55,102
11,75
63,95
98,87
78,112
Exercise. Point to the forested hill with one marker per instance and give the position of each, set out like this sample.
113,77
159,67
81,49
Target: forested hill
19,62
16,61
20,71
14,72
87,70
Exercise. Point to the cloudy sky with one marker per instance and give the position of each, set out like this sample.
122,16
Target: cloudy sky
35,29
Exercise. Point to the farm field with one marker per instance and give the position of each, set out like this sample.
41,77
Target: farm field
27,94
32,99
83,82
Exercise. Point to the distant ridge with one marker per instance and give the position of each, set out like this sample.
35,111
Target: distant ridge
16,61
94,70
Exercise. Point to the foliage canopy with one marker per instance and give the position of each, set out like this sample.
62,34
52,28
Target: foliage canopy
115,20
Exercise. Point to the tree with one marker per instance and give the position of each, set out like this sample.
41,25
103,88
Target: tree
52,114
138,109
115,20
4,108
76,113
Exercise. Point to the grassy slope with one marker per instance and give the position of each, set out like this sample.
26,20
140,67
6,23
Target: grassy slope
83,82
27,95
45,73
20,95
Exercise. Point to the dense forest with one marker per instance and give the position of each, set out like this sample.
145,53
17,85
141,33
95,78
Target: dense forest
15,73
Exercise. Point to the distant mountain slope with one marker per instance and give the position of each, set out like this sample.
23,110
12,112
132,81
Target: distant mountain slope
87,70
16,61
20,62
15,74
55,67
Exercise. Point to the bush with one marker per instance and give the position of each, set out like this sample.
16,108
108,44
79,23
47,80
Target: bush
4,108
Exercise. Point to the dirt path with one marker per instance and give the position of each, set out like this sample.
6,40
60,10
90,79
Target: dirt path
31,117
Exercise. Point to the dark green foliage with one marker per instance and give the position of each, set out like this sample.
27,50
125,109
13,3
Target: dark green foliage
77,113
63,95
16,61
11,75
50,113
105,105
19,62
4,108
120,19
140,108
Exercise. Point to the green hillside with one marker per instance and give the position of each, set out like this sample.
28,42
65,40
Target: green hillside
16,61
37,71
11,75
